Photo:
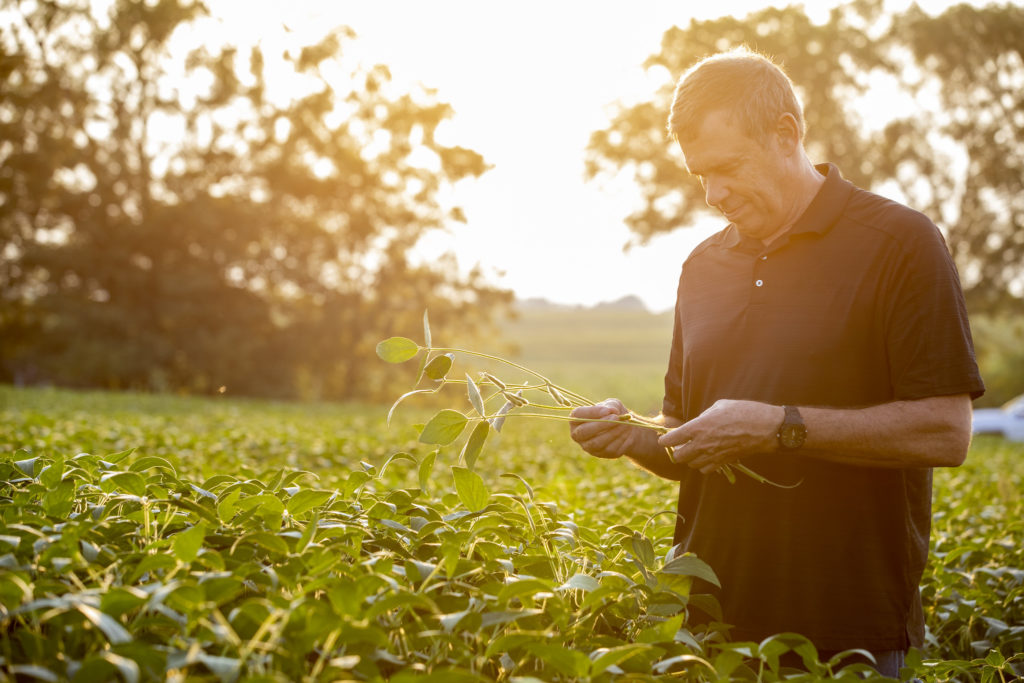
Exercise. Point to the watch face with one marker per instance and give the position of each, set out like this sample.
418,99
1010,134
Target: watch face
792,435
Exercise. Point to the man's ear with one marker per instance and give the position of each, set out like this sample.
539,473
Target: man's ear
787,133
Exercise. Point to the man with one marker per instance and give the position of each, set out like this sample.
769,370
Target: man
820,339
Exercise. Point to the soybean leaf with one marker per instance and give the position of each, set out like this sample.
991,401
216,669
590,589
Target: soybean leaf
425,469
59,500
568,662
119,456
580,582
615,656
51,475
397,349
513,475
403,397
470,488
110,627
396,456
131,482
475,443
27,466
439,366
475,399
691,565
186,544
307,499
443,428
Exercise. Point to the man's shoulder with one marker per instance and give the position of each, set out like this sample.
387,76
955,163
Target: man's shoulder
889,217
715,241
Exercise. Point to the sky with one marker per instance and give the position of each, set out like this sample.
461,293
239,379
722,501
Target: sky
529,82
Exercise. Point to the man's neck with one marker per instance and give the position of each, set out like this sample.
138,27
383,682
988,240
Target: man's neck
809,181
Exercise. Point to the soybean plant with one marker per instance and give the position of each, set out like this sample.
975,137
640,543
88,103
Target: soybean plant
536,397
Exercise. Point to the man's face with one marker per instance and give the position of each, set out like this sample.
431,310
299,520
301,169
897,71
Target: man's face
744,178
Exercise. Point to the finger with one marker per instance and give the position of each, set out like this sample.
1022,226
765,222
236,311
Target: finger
678,436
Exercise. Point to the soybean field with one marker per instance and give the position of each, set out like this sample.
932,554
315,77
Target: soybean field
172,538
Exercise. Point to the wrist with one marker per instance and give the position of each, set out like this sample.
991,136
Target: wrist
792,431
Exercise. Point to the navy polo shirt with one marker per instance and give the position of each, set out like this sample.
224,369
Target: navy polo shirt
857,305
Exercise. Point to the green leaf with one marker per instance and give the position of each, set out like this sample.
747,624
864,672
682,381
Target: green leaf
51,475
616,655
307,499
129,482
475,443
397,349
405,396
426,467
475,399
186,544
470,488
444,427
580,582
59,500
27,466
691,565
439,366
513,475
401,455
110,626
568,662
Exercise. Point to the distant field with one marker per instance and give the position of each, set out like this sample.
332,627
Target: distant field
600,352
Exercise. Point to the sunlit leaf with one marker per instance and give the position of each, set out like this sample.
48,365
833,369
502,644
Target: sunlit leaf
439,366
470,488
186,544
426,468
397,349
475,399
616,655
580,582
691,565
475,443
444,427
405,396
110,627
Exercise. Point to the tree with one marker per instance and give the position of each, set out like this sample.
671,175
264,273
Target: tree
173,219
950,137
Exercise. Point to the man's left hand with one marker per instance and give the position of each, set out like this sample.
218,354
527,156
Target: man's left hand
725,432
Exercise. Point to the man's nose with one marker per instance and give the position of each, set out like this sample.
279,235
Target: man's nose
714,191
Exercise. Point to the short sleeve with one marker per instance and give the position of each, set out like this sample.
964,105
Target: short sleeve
928,336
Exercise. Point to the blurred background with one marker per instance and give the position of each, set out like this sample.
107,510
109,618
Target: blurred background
243,198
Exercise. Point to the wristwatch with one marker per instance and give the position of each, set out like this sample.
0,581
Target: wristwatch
792,431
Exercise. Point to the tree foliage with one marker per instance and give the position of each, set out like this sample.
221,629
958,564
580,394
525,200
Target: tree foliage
181,213
946,132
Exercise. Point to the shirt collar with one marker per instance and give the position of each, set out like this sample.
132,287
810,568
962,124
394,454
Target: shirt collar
819,216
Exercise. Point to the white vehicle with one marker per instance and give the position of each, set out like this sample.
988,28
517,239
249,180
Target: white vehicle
1007,421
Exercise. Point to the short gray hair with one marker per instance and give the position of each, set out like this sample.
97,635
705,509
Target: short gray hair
741,81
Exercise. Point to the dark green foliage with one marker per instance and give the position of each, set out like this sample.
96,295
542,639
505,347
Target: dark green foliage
170,222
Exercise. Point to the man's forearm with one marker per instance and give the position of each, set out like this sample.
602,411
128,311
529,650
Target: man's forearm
929,432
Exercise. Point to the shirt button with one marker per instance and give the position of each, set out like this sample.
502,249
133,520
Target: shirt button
759,283
765,257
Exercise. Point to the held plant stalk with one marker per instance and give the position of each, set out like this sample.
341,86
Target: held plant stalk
548,401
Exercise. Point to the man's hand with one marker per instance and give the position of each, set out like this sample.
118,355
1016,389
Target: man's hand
723,433
610,439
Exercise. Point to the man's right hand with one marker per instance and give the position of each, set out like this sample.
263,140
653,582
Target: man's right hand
609,439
